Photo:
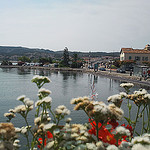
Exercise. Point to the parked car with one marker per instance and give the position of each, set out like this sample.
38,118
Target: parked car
90,67
102,69
120,70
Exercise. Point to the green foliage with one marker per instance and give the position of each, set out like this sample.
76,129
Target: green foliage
66,57
24,59
45,60
5,62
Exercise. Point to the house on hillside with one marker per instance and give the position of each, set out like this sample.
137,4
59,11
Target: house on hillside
137,55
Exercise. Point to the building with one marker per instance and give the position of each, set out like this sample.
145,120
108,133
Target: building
138,55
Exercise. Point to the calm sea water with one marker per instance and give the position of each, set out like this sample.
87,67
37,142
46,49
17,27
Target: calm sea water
64,86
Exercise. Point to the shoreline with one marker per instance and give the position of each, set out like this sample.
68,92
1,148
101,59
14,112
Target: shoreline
113,75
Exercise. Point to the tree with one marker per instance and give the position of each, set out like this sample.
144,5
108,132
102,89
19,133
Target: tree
5,62
66,57
24,59
45,60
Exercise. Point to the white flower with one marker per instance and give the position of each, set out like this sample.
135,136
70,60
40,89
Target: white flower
43,90
147,96
37,120
16,144
47,99
82,138
38,103
80,147
123,131
11,110
62,107
58,111
68,120
24,130
21,98
116,113
100,145
74,135
28,102
141,140
91,146
62,110
127,85
112,147
50,145
101,107
16,141
140,92
140,147
123,94
17,130
114,98
20,108
9,115
49,126
40,78
125,145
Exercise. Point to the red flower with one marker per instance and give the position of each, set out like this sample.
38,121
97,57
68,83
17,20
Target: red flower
113,123
47,136
103,134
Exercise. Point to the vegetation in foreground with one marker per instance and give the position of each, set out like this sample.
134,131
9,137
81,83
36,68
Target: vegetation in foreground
101,132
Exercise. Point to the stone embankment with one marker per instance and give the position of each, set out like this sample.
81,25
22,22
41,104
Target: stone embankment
113,74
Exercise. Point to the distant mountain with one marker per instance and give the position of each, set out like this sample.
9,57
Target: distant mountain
12,53
6,50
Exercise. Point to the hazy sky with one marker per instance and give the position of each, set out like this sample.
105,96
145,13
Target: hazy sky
81,25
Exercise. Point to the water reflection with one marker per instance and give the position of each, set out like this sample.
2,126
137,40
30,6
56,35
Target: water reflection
6,69
23,71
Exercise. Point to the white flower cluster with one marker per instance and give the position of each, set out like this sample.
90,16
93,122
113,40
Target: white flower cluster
76,137
114,98
117,98
24,130
122,131
144,139
141,142
127,85
44,92
9,115
140,92
48,126
100,107
46,100
79,99
28,104
62,110
16,144
37,77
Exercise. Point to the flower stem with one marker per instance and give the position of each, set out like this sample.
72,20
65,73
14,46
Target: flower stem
97,131
148,124
137,115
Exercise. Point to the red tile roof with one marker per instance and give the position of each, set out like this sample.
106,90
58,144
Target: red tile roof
131,50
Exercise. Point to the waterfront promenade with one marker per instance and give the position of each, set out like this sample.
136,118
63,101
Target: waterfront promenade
110,74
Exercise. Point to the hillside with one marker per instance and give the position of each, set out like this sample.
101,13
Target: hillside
12,53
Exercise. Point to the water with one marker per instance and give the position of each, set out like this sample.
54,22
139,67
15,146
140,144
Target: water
64,86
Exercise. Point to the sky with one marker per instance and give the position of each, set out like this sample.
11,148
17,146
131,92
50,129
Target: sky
80,25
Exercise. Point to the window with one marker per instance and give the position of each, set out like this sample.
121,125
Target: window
130,57
146,58
143,58
137,58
